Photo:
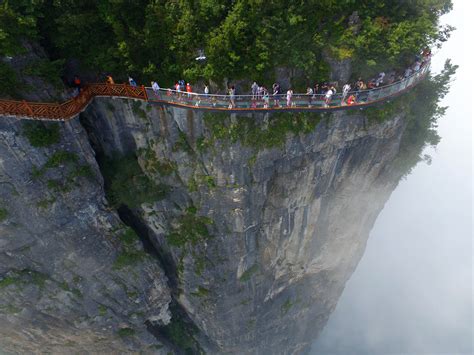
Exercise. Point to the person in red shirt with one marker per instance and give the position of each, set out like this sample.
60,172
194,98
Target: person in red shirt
351,100
189,89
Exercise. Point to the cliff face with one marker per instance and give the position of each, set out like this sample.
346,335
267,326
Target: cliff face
72,276
265,217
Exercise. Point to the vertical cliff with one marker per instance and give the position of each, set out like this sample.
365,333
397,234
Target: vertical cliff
265,216
73,277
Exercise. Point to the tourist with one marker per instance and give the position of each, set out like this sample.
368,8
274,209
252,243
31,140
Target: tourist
391,79
260,92
276,93
309,92
289,96
417,66
345,90
232,97
76,83
266,99
407,73
177,87
131,81
371,84
109,80
254,88
156,88
206,90
328,96
181,85
315,90
380,79
351,100
189,89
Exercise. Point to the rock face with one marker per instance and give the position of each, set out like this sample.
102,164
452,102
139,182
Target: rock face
73,277
266,216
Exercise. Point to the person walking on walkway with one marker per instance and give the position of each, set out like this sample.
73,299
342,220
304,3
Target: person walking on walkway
206,90
254,88
189,90
276,92
289,96
351,100
380,79
309,93
266,98
177,87
77,84
232,97
131,81
345,90
328,96
156,88
109,80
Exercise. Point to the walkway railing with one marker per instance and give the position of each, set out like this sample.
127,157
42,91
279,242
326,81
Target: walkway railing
299,102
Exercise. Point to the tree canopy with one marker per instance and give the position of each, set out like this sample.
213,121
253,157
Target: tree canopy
159,39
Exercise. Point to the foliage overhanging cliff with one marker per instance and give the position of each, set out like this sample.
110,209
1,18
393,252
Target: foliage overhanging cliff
242,39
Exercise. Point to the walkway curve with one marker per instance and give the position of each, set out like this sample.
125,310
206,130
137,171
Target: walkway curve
243,103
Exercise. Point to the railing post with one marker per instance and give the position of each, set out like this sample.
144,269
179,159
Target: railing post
145,95
28,108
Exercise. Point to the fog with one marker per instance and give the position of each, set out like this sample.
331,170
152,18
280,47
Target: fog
412,291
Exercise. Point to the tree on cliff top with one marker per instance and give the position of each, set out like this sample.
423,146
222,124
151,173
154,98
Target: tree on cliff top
241,38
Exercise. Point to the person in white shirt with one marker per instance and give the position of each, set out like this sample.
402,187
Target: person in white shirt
345,90
289,95
254,90
329,94
380,79
156,88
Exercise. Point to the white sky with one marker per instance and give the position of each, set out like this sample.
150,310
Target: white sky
412,291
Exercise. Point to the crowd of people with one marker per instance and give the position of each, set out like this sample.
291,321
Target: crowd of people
351,93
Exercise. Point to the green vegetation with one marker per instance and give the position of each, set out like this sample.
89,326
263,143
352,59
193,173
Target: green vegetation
9,84
249,132
49,71
152,164
180,334
182,144
60,157
199,265
241,39
45,203
64,286
3,214
285,307
129,237
40,134
190,229
102,310
24,277
58,186
137,110
126,332
201,292
130,254
126,184
247,275
128,258
10,309
421,118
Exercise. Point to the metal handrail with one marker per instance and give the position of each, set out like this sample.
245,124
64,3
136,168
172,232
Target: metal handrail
308,102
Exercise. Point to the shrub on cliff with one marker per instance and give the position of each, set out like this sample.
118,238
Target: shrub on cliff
40,134
126,184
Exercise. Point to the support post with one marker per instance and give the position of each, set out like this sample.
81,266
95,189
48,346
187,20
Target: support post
28,108
145,95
